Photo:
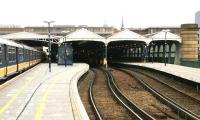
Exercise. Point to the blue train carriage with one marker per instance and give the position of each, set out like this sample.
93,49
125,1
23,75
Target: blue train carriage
31,57
16,57
8,57
65,54
26,62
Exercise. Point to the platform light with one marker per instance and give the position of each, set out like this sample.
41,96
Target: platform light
49,35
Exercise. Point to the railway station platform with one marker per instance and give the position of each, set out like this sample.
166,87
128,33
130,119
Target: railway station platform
191,74
38,94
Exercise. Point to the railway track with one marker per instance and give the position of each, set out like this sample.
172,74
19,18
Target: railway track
83,88
176,100
101,100
173,83
141,97
96,111
128,104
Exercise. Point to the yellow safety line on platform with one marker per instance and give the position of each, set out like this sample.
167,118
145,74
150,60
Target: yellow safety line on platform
43,102
15,96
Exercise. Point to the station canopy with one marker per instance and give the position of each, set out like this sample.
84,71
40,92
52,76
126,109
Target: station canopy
9,42
127,35
83,35
165,35
26,36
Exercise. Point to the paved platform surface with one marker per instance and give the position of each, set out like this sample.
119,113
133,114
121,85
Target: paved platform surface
192,74
38,94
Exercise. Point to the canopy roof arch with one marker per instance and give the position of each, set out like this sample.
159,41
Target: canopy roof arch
127,35
165,35
9,42
28,36
83,35
24,35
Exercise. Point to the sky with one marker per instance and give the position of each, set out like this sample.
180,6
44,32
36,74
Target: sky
136,13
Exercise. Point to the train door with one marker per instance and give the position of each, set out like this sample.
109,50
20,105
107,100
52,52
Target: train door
26,58
17,58
5,60
11,60
2,61
29,57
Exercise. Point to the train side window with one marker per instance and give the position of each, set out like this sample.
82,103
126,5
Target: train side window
11,54
1,58
1,55
14,55
21,57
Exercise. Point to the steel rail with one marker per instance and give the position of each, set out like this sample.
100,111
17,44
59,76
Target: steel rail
128,104
175,89
96,111
183,112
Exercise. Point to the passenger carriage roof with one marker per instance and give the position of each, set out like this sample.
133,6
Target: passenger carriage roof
9,42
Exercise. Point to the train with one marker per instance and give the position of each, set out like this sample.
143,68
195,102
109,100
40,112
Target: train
15,57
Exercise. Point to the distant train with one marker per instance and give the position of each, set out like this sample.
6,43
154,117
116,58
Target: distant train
16,57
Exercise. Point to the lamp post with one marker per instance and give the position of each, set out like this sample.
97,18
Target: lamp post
165,44
49,49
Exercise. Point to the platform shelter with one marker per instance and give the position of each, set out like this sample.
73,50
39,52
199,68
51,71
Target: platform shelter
164,47
88,46
127,46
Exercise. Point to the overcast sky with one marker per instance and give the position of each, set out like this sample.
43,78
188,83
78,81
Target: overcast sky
136,13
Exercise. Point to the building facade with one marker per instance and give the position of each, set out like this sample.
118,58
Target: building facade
150,30
197,18
61,30
8,30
